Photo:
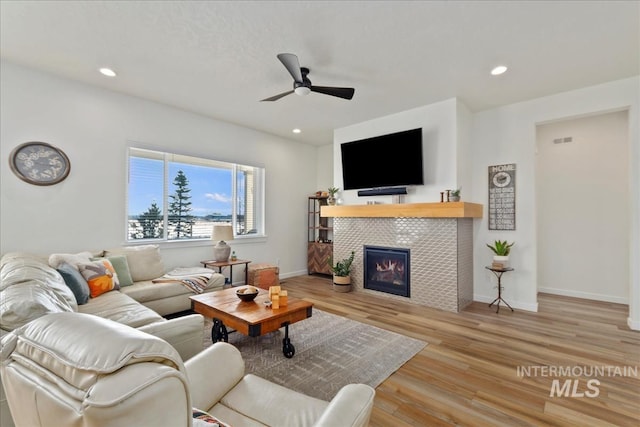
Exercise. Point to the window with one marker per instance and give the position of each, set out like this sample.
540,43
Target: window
176,197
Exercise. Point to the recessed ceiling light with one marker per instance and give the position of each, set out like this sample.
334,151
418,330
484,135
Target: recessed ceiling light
108,72
498,70
296,130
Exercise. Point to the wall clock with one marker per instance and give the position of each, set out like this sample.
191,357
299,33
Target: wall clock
501,179
39,163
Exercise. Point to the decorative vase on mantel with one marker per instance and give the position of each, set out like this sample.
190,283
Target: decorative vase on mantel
331,199
341,283
454,196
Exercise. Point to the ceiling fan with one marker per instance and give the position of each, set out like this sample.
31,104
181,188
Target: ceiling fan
301,83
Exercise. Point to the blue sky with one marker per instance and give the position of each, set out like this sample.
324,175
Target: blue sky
210,188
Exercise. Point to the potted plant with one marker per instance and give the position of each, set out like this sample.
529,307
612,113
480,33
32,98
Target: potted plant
455,195
501,249
341,271
331,200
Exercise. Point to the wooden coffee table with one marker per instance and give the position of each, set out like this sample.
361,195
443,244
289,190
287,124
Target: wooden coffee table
252,318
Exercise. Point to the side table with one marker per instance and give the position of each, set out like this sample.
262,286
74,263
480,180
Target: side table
228,263
499,272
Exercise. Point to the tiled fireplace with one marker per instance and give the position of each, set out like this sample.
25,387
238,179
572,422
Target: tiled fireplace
439,262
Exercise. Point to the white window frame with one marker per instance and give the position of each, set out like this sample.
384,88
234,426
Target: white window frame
166,157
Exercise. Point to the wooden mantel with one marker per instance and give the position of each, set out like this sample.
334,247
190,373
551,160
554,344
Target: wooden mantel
406,210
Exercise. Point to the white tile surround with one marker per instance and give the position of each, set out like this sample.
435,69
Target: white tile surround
441,256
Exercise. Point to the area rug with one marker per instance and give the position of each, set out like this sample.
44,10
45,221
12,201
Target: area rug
331,352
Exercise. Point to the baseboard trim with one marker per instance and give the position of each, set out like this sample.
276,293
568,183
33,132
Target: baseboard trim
633,325
293,274
585,295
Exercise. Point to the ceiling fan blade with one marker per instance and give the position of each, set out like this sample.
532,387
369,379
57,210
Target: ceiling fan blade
276,97
340,92
291,63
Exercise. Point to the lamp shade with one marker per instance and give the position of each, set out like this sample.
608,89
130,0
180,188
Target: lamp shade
222,232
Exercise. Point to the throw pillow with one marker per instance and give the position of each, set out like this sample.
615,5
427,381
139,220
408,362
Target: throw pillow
73,259
75,282
121,266
100,276
204,419
145,262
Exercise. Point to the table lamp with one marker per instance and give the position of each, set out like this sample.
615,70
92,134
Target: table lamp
221,250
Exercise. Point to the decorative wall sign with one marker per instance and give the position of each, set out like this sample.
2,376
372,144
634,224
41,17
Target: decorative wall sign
502,197
39,163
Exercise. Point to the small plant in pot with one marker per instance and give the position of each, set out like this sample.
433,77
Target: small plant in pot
341,271
331,200
455,195
501,249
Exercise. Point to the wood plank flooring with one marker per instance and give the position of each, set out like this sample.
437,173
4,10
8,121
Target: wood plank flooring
468,373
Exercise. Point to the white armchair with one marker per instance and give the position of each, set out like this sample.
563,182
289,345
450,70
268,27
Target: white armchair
74,369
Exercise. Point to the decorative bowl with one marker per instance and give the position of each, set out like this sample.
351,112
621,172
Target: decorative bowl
247,294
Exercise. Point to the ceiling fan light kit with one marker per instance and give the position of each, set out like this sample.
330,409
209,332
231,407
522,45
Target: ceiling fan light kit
302,85
302,90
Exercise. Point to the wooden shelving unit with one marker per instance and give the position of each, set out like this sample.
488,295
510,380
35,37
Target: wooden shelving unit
319,237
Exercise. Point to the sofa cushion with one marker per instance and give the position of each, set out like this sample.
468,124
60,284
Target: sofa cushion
75,282
145,262
146,291
100,276
252,394
29,289
121,308
10,256
232,417
73,259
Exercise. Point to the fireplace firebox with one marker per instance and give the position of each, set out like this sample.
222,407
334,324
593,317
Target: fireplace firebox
387,270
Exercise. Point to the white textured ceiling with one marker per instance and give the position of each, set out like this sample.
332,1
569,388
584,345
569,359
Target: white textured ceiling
218,58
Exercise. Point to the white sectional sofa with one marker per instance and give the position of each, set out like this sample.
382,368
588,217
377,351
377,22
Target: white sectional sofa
30,287
138,380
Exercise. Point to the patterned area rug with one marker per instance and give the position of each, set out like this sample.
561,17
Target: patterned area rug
331,351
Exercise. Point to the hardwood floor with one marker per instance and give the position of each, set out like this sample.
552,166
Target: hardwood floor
468,372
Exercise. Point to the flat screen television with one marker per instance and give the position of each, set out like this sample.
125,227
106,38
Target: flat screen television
383,161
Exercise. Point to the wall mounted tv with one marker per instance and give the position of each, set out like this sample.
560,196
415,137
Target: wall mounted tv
383,161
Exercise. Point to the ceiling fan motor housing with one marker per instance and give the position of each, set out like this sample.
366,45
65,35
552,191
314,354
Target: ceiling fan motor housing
304,87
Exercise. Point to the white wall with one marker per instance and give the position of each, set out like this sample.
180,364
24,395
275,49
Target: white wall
93,126
324,167
439,136
582,203
508,135
464,165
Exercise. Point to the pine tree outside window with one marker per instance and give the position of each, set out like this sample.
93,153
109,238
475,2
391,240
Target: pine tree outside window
174,197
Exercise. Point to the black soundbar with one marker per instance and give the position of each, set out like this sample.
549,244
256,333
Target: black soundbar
383,191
